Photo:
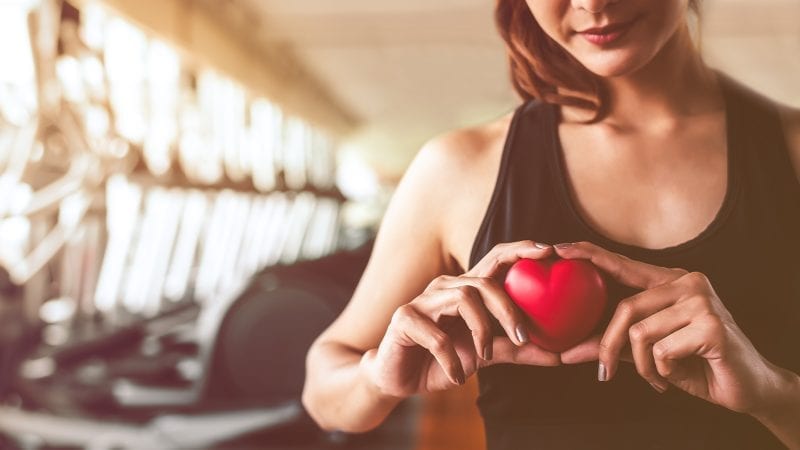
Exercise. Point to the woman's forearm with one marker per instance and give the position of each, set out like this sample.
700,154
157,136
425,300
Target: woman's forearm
784,420
338,395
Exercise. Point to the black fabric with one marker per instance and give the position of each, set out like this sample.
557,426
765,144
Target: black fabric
748,252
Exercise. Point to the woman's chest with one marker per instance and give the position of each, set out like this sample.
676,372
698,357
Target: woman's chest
664,195
651,191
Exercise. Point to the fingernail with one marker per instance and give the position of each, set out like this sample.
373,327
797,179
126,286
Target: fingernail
542,245
602,375
487,352
522,336
659,387
564,245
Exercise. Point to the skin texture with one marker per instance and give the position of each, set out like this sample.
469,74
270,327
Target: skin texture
679,334
417,322
656,24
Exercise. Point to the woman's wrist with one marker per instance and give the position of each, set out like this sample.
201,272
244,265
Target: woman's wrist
782,394
341,396
368,380
781,412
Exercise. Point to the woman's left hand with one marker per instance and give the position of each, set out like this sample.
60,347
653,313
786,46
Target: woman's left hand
680,334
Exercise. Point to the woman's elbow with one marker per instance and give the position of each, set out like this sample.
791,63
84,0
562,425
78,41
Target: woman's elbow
325,401
310,398
313,408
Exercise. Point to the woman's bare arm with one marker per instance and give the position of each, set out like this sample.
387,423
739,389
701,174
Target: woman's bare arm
407,255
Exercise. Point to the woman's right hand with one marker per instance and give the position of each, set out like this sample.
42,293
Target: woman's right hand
444,335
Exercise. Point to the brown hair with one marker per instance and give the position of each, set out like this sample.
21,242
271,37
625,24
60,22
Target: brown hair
540,66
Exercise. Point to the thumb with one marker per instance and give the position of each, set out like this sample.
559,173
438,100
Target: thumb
589,350
507,352
586,351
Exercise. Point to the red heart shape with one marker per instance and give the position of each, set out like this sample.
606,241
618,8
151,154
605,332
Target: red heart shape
565,299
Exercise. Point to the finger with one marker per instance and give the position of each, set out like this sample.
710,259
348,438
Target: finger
507,352
420,330
646,332
700,338
589,350
465,301
503,255
497,302
623,269
586,351
629,311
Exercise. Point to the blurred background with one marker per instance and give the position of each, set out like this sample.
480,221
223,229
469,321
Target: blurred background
189,190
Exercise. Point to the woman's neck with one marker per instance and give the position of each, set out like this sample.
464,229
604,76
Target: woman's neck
675,84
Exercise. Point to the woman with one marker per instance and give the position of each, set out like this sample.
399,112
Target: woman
678,183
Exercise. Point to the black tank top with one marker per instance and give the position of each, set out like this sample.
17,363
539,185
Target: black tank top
749,253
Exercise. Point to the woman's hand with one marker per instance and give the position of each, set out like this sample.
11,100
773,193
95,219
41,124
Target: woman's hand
679,333
444,335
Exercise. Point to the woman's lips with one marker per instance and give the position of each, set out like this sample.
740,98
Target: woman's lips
607,34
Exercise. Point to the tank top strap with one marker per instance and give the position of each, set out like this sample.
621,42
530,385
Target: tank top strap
565,407
767,174
524,177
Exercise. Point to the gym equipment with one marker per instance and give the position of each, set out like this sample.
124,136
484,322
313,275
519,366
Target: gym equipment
163,83
58,128
191,142
71,212
173,208
122,206
228,276
260,209
213,246
295,147
267,331
177,279
125,43
322,170
105,343
153,311
233,127
17,338
208,94
323,230
302,212
265,120
139,267
274,232
165,432
252,346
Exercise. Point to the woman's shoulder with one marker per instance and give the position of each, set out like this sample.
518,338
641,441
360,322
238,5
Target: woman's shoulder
467,146
451,181
453,161
442,184
457,158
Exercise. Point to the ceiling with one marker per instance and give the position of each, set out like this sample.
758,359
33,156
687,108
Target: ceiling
408,70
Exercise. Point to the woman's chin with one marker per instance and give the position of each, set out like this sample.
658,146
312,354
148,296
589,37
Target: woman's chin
612,67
